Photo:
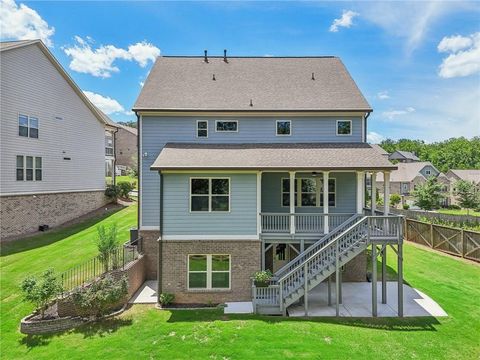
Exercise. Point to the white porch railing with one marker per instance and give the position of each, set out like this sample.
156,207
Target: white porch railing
305,223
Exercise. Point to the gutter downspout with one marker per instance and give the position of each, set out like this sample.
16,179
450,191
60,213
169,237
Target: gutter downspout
160,243
138,169
365,125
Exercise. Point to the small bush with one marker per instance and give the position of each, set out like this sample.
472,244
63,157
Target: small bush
111,192
454,207
166,299
395,199
101,295
262,278
406,206
107,244
41,293
124,187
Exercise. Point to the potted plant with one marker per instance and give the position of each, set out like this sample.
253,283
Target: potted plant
262,278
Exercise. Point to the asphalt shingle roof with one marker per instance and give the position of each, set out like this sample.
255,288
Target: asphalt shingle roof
271,83
321,156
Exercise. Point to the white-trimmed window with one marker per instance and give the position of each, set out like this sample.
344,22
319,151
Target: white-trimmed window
209,272
226,125
428,172
344,127
283,127
28,168
309,191
202,128
109,145
27,126
209,194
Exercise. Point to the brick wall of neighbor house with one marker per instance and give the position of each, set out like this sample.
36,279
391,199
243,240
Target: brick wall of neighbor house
245,260
126,148
22,214
150,249
356,269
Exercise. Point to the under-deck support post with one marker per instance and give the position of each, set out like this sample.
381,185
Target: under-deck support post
384,275
337,281
340,278
302,245
325,203
305,295
400,277
374,280
329,289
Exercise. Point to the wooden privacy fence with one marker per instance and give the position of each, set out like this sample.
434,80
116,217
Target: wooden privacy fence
459,242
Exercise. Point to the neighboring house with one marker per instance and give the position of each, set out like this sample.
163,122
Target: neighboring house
126,153
409,175
52,150
454,175
403,156
248,163
111,134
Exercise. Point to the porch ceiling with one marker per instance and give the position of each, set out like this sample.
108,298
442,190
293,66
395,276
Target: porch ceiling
309,156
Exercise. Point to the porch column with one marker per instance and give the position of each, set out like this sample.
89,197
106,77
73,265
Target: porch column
360,176
373,186
292,202
386,192
325,202
259,203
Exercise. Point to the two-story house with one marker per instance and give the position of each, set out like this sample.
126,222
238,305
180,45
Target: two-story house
52,149
251,163
455,175
403,156
126,154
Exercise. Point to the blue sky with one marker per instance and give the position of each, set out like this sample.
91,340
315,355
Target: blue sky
417,63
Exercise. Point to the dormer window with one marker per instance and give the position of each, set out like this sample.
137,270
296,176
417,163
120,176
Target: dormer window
226,126
344,127
284,127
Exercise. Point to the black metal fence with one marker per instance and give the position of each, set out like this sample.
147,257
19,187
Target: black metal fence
118,259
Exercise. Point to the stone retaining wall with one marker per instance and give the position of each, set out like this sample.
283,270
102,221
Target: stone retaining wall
35,327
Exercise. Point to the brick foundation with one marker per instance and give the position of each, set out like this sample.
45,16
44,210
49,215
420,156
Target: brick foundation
150,249
22,214
356,269
245,260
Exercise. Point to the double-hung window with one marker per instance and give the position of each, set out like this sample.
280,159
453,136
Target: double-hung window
286,192
208,272
108,145
344,127
28,168
209,194
309,191
28,126
226,125
202,128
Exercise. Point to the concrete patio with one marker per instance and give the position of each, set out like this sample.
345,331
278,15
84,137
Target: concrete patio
147,294
357,302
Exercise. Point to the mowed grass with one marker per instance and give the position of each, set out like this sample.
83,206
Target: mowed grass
144,332
459,212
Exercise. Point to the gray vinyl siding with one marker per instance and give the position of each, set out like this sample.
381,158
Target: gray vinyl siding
157,131
32,86
240,220
345,193
433,172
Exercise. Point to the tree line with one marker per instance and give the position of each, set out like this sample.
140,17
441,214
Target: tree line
454,153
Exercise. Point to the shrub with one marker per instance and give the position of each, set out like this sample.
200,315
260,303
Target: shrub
166,299
406,206
107,244
41,293
111,192
395,199
124,187
262,278
454,207
101,295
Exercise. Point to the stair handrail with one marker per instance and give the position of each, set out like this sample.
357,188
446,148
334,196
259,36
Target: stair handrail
338,237
319,242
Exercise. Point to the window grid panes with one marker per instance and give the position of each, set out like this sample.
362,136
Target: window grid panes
27,126
33,127
344,127
208,272
20,168
286,192
310,190
28,168
226,126
202,129
210,194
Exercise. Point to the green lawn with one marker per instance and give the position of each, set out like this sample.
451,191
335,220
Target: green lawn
458,212
144,332
122,178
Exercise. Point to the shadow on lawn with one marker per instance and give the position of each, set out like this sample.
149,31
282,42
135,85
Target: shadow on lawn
68,229
100,329
427,323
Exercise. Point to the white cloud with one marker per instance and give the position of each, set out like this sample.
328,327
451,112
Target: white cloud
394,113
374,138
105,103
383,95
99,62
345,21
19,22
464,58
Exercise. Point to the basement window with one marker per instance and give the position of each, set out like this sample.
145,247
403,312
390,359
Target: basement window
206,272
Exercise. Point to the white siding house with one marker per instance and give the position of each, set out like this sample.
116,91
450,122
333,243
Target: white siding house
52,154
